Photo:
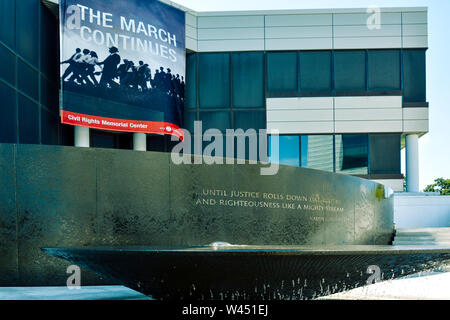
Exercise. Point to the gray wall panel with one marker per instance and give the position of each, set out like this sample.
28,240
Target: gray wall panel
230,33
191,32
299,115
415,30
363,31
230,45
297,127
368,43
191,44
231,21
191,20
415,42
295,44
348,19
286,20
415,17
292,30
299,32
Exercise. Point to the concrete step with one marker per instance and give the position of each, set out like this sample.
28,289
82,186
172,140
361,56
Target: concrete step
422,234
424,231
424,237
421,243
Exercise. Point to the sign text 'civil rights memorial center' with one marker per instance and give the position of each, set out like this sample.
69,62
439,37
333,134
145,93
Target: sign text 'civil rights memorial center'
123,65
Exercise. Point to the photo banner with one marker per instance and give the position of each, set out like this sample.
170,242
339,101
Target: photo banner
123,65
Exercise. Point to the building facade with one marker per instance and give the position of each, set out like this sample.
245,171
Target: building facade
345,93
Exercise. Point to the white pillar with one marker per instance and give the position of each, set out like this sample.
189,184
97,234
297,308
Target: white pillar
81,137
140,142
412,163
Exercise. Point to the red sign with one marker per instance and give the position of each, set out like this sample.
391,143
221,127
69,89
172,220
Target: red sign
113,124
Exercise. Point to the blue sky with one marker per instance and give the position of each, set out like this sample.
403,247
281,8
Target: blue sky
435,146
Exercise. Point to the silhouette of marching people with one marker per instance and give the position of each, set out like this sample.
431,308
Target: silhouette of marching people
82,73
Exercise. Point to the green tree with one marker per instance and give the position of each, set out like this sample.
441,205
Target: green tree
441,185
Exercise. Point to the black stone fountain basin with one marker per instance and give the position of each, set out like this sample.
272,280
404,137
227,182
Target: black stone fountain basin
251,272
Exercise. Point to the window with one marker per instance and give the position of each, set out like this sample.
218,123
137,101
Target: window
350,71
414,76
102,139
49,127
8,64
316,152
385,154
384,70
27,80
49,95
352,153
8,121
7,22
191,84
66,134
248,80
215,120
49,44
189,118
156,143
347,154
282,72
289,151
315,71
214,80
27,30
28,121
249,120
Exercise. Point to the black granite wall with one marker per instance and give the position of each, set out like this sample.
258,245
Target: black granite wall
54,196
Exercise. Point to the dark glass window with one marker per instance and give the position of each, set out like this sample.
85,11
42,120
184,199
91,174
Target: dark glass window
156,143
49,127
7,22
385,153
351,153
248,80
215,120
125,140
316,152
288,150
282,72
49,95
384,70
66,135
8,123
191,77
101,139
350,71
8,64
28,121
189,118
315,71
111,140
414,76
27,80
249,120
27,30
214,80
49,44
